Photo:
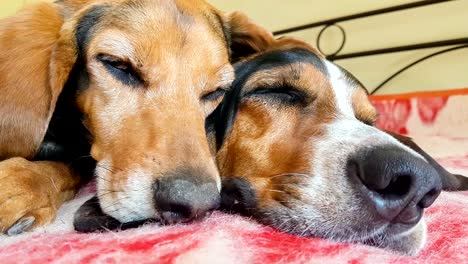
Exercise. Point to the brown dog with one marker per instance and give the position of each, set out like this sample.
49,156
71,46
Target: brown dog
123,85
298,150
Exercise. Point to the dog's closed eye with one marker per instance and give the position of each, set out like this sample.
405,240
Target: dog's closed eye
283,94
122,70
214,95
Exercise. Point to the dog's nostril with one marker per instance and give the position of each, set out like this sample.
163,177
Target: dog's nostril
184,197
176,213
180,211
399,186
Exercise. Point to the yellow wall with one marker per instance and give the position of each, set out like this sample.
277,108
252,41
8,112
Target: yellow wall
437,22
425,24
9,7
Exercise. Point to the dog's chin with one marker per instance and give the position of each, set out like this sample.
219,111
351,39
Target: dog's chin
408,243
401,239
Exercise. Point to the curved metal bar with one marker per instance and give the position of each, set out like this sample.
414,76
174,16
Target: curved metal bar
416,62
425,45
343,42
361,15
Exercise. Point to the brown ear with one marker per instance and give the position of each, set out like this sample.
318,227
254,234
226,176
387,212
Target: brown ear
63,58
27,100
247,38
450,182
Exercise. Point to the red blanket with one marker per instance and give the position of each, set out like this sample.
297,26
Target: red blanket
438,122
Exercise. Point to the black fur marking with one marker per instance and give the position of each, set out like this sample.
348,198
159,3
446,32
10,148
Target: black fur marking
280,58
67,140
123,71
84,28
222,119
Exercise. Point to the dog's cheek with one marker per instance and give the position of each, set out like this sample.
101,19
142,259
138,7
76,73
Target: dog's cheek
410,244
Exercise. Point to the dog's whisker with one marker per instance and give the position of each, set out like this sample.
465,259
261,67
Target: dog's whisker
273,190
289,175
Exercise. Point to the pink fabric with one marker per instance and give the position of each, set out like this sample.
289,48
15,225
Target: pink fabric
436,123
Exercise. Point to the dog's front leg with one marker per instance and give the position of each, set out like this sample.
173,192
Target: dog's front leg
31,192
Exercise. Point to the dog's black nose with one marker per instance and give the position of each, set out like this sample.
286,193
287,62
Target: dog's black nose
183,197
398,183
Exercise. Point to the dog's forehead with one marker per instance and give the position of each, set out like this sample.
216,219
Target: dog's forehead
308,71
276,66
152,26
296,63
156,15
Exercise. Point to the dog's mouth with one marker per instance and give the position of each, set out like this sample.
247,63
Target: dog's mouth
301,218
400,238
90,218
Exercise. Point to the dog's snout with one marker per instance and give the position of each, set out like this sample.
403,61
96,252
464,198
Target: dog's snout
398,184
184,197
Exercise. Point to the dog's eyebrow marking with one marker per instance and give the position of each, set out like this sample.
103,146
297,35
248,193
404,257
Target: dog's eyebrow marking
85,26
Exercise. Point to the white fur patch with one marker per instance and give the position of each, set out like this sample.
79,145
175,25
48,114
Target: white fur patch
128,201
363,135
342,89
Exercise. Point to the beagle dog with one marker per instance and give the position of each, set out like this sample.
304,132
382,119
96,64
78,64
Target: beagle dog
298,150
119,89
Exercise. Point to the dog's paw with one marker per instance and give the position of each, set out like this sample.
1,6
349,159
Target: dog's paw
25,197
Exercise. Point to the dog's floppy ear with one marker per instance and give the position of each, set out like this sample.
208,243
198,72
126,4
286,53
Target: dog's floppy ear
450,182
246,37
39,49
27,100
69,50
63,58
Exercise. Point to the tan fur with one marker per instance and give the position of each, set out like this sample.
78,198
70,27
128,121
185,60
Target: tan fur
27,100
363,108
264,136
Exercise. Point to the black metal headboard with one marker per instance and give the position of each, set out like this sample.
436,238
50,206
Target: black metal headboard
456,44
